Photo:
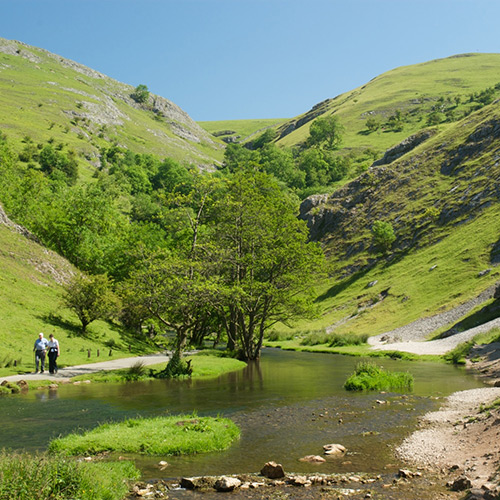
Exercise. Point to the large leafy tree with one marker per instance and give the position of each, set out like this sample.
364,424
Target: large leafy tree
265,263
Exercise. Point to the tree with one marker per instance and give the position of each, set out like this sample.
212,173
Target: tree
372,124
264,263
172,290
91,298
383,235
326,130
140,94
435,118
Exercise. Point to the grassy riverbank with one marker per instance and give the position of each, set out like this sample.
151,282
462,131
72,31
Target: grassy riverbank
362,350
179,435
203,367
26,477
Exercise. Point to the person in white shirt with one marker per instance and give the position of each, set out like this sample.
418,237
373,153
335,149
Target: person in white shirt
40,349
53,348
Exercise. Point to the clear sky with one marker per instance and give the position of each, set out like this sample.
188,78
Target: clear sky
238,59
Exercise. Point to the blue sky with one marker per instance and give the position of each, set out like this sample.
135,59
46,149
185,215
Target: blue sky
237,59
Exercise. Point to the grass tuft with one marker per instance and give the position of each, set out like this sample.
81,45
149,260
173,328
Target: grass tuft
370,377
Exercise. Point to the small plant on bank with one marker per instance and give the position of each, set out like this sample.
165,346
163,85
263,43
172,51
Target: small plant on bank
136,371
369,377
458,355
176,367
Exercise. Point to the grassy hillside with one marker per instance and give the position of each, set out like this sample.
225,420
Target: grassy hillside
30,302
45,96
412,90
442,199
240,130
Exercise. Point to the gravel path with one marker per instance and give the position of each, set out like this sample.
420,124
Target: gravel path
411,337
73,371
457,435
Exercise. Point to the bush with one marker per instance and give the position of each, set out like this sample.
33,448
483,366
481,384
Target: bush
334,339
337,339
316,337
369,377
176,367
457,356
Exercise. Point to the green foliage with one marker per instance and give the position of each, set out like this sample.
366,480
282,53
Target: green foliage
435,118
91,298
383,235
140,94
341,339
334,339
176,367
265,138
326,131
369,376
458,355
179,435
26,477
372,124
58,165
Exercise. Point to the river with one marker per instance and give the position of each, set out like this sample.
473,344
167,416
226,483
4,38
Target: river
288,405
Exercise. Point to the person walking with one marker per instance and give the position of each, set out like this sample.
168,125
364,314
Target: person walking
54,352
40,349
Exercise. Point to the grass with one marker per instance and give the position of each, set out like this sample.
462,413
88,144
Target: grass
204,366
31,303
179,435
246,129
370,377
350,350
48,90
459,355
411,89
334,339
42,477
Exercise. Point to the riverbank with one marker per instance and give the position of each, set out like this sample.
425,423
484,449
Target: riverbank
462,438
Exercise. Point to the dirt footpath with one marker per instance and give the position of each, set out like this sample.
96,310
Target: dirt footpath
73,371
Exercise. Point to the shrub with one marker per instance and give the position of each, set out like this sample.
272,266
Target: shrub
383,235
369,376
176,367
457,356
315,338
337,339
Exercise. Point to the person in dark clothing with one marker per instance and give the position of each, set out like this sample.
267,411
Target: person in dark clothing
53,354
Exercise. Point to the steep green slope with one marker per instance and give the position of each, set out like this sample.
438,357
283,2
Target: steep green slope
414,91
45,96
442,199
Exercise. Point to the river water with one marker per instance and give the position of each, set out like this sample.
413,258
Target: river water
288,405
